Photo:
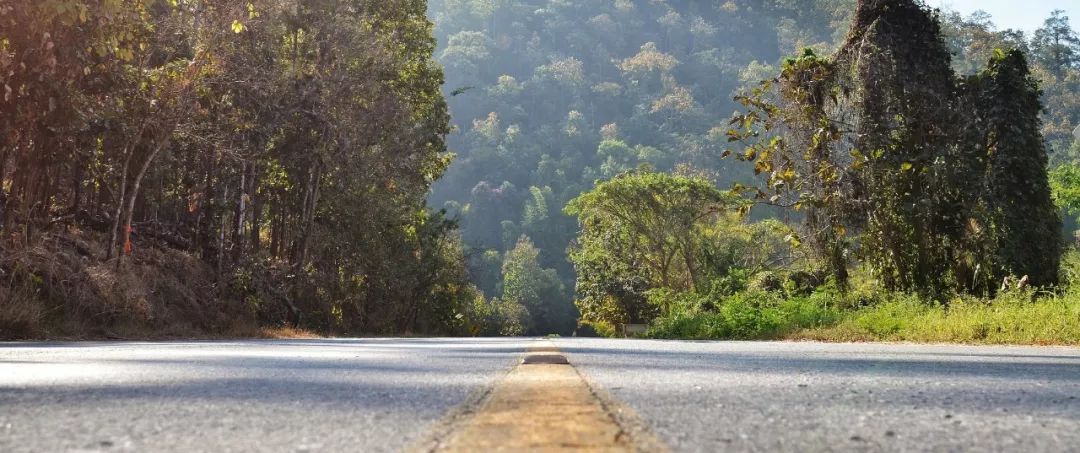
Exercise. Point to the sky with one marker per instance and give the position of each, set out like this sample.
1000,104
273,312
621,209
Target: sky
1026,15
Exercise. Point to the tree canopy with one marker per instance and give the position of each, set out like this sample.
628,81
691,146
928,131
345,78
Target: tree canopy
289,145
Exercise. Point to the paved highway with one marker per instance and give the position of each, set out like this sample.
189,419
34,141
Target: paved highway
699,396
306,395
388,395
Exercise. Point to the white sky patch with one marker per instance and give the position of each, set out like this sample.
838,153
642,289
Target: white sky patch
1024,15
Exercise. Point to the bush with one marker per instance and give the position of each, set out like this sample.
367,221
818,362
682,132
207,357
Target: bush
766,281
750,315
496,317
588,329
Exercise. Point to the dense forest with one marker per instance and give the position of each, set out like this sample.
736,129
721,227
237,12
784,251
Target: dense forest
631,104
208,166
739,168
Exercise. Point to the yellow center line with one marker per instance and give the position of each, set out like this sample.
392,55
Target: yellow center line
544,404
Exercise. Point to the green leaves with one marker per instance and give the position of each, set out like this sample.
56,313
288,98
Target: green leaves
238,27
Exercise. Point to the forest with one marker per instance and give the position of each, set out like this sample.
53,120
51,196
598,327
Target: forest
633,148
214,167
825,169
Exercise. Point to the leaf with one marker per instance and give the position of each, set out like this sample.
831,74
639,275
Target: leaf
238,27
907,166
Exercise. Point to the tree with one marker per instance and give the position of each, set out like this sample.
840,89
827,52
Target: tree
1065,184
289,146
887,151
551,78
1056,45
974,38
1025,224
538,290
639,231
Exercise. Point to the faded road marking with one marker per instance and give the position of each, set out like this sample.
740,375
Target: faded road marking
544,405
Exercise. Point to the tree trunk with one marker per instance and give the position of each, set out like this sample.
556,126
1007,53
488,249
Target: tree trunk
113,232
135,193
311,199
240,214
221,234
256,210
3,177
275,227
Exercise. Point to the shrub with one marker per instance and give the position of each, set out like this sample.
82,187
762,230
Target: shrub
766,281
496,317
592,329
750,315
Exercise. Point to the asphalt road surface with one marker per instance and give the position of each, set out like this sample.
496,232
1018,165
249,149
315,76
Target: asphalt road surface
387,395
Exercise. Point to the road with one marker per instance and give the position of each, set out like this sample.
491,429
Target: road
389,395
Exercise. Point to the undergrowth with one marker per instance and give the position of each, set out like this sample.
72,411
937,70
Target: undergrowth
868,313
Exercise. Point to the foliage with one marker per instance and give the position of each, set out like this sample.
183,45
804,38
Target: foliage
567,93
875,314
1056,44
646,235
595,329
289,144
1065,182
1015,197
1052,52
496,317
746,316
1008,319
538,290
927,180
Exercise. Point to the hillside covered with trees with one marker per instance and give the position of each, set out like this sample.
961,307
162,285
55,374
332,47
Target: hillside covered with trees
732,169
643,118
199,166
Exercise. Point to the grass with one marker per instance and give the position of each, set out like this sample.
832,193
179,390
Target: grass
1012,318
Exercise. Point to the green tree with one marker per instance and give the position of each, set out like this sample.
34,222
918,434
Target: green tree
640,231
537,289
288,146
1056,45
887,151
1065,184
1025,224
642,82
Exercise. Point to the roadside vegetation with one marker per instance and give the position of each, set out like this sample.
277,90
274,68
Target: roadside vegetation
474,167
918,207
191,167
882,184
870,313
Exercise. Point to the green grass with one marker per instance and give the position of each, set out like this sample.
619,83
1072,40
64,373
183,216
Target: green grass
1012,318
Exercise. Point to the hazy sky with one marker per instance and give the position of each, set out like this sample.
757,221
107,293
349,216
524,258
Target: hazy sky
1026,15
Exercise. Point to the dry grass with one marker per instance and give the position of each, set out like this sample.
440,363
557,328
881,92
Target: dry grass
20,316
59,288
288,333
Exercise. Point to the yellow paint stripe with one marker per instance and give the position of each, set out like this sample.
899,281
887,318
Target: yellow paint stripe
546,407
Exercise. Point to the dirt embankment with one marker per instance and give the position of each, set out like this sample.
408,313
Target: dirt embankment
60,288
